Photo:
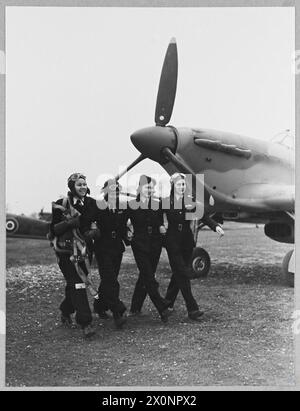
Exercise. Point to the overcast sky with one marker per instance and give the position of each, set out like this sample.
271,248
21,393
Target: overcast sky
81,80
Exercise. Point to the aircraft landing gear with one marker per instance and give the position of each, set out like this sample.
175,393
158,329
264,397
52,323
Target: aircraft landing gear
288,269
200,263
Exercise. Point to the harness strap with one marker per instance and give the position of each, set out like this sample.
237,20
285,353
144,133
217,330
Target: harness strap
63,206
59,207
65,202
84,277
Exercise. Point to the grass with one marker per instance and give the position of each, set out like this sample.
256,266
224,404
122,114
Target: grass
28,252
245,337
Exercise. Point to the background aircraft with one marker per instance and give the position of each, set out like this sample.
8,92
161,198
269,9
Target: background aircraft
20,226
245,179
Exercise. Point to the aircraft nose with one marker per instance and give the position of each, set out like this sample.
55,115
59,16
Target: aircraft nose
150,141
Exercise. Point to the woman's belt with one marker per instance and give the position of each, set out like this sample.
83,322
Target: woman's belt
147,230
178,227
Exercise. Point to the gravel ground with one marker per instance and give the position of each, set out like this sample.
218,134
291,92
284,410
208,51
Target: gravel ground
245,337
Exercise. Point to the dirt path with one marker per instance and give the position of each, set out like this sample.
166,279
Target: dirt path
245,337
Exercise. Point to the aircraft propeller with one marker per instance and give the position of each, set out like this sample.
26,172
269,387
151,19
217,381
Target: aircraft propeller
152,140
159,142
167,86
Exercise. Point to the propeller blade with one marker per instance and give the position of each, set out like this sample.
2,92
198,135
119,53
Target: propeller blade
167,86
133,164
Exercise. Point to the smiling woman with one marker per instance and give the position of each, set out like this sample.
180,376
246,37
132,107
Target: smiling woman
72,252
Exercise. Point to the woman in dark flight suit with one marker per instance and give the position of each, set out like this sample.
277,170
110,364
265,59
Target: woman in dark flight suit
108,248
75,293
180,244
147,220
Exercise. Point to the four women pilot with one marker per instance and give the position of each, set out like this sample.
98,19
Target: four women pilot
147,219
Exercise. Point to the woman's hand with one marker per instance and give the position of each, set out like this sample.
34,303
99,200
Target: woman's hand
162,230
220,231
129,235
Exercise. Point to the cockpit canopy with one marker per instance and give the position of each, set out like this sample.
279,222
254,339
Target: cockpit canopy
284,138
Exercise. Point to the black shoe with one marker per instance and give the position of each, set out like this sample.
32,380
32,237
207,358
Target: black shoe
119,322
195,315
88,331
103,315
165,314
66,320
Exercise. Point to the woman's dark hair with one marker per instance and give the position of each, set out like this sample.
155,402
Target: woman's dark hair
143,181
106,187
172,191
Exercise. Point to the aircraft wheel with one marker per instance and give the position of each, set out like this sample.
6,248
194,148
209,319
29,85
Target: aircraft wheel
287,275
200,263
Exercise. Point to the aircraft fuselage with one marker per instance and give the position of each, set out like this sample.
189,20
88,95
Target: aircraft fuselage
237,170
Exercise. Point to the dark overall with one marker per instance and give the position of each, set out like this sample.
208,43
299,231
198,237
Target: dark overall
179,245
146,246
108,249
76,299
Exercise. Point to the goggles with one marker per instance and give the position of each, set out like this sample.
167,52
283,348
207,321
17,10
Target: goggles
177,176
76,176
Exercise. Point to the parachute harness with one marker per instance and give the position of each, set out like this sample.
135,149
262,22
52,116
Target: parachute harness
79,250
